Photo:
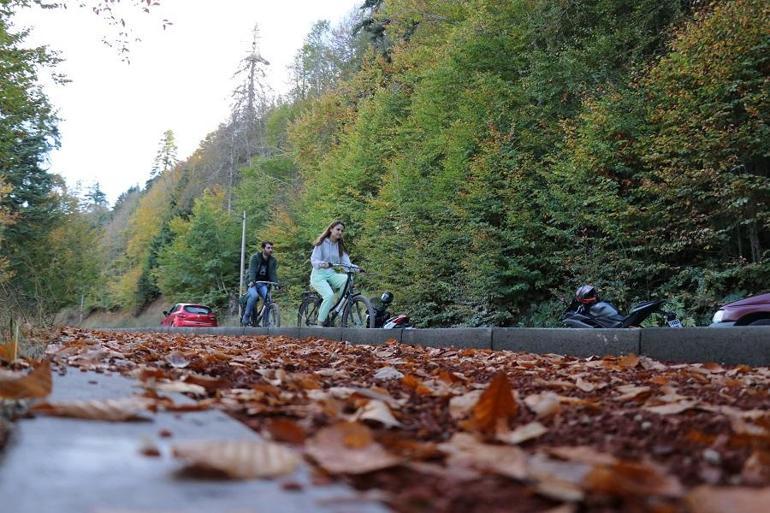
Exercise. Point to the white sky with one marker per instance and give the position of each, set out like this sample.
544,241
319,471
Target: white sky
114,114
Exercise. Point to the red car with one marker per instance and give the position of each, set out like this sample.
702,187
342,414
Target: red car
750,311
189,315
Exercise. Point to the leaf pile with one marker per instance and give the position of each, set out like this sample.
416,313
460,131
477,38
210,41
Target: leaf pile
470,430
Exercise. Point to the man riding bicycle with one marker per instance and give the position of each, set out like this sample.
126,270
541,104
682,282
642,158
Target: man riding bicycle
262,267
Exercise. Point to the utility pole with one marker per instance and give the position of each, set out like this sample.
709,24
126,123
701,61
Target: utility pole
243,257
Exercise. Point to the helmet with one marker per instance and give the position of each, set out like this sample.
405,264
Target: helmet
386,297
586,294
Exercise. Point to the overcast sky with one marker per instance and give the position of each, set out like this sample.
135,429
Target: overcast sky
114,114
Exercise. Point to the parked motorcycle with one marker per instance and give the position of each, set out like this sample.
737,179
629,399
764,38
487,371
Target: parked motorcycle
588,311
383,318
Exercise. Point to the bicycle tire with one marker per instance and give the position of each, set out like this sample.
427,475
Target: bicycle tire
358,313
273,318
307,315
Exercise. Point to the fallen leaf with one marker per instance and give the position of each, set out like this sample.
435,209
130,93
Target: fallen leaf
34,385
177,386
237,459
177,360
629,361
626,478
386,373
349,448
495,406
671,408
286,430
522,433
377,411
708,499
631,392
105,409
544,404
461,405
465,450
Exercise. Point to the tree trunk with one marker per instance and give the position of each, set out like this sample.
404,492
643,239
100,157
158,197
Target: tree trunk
756,249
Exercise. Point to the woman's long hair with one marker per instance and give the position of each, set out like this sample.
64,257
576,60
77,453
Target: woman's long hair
327,232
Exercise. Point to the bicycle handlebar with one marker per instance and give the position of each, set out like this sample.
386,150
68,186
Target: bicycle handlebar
348,268
265,282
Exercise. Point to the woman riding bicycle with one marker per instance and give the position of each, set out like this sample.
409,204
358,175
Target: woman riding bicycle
329,250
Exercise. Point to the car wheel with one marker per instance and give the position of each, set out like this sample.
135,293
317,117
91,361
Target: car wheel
760,322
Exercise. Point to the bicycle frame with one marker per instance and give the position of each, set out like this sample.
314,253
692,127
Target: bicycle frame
266,302
347,292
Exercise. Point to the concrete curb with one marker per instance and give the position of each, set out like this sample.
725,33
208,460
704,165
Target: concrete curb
736,345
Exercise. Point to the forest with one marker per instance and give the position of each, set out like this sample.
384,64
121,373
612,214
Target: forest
486,156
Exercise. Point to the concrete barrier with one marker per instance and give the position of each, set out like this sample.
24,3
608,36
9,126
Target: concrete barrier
471,338
255,332
291,332
333,333
736,345
741,345
569,341
372,336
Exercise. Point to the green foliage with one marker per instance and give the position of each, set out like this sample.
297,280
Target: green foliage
201,263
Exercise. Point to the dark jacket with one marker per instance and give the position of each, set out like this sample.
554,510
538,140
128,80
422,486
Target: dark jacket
272,267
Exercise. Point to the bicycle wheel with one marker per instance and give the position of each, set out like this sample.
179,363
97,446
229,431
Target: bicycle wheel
358,313
308,311
272,317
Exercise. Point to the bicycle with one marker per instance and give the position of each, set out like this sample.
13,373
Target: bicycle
354,309
268,315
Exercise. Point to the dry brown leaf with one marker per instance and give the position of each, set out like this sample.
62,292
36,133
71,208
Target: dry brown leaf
415,384
377,411
461,405
583,385
386,373
177,386
631,392
177,360
671,408
708,499
629,361
522,433
626,478
131,408
34,385
496,405
237,459
561,480
349,448
583,454
465,450
544,404
286,430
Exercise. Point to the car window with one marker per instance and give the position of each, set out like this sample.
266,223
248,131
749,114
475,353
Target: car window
174,309
197,309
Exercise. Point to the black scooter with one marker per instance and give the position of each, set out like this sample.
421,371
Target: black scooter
383,318
603,314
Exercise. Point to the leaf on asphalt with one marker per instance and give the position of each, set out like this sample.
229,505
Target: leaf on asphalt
495,406
461,405
116,410
178,386
349,448
207,382
708,499
522,433
286,430
671,408
8,351
35,385
236,459
583,385
377,411
386,373
464,450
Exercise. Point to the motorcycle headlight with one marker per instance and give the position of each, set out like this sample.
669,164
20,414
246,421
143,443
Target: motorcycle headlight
718,316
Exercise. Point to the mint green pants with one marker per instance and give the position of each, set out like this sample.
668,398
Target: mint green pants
323,280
